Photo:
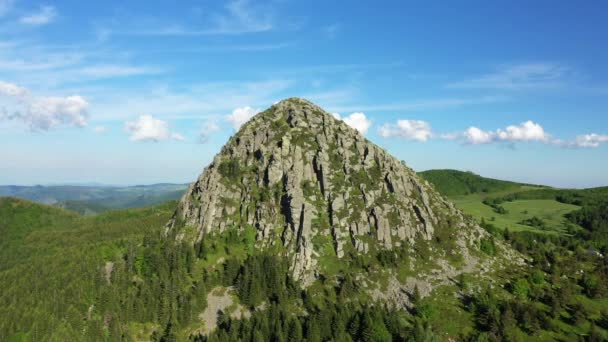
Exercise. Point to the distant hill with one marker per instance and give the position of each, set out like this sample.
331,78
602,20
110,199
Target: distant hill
88,200
459,183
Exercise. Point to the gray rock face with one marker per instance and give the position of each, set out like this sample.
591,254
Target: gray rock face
305,181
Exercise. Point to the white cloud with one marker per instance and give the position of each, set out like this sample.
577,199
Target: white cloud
419,105
517,77
209,127
148,128
12,90
474,135
49,66
407,129
358,121
241,17
585,140
237,17
241,115
100,129
107,71
198,101
524,132
44,113
45,15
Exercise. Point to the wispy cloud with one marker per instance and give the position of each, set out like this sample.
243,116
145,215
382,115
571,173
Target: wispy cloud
236,17
592,140
199,101
44,15
110,70
335,68
437,103
253,47
209,127
20,58
518,77
34,64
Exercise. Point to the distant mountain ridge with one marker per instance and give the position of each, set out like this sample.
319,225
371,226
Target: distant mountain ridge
89,200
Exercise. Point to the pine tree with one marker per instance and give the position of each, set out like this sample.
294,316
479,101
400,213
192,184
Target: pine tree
294,329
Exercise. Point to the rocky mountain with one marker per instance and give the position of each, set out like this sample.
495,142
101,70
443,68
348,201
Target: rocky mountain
320,193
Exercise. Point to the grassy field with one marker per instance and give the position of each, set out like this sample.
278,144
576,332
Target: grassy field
550,212
468,191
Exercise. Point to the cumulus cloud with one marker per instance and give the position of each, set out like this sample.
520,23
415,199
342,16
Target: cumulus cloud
527,131
208,128
407,129
45,15
474,135
12,90
44,113
149,128
358,121
241,115
524,132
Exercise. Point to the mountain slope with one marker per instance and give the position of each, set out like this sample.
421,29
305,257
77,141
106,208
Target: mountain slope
458,183
54,267
313,188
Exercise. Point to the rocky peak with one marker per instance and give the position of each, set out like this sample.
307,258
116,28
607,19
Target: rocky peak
316,188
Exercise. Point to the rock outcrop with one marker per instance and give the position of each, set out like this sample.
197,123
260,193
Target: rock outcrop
301,178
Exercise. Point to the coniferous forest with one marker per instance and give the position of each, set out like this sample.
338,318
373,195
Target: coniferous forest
116,276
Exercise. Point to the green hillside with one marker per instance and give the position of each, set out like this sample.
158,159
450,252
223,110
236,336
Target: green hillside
458,183
113,277
509,205
51,265
57,286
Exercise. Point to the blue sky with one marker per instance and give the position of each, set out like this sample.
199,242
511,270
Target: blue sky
141,92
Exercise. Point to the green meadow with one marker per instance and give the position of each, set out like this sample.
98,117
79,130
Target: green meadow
551,212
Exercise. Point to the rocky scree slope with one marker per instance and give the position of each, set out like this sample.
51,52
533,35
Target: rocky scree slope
314,188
